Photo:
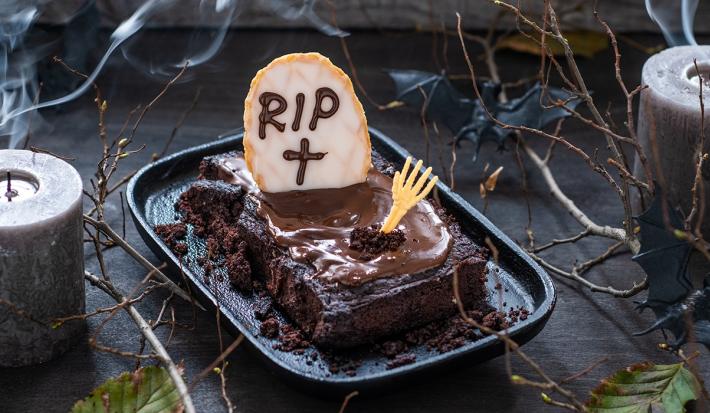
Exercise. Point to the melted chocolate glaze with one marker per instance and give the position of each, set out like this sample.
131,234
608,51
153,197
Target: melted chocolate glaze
315,226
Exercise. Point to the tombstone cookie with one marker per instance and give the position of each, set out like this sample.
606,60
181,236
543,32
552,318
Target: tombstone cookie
304,128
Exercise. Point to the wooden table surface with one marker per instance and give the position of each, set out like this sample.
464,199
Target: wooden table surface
584,327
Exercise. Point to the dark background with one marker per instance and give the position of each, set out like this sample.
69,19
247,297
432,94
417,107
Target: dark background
584,327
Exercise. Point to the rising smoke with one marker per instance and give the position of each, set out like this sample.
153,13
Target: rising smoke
18,73
18,83
675,18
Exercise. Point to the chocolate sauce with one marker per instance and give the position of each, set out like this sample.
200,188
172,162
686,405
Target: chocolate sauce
233,170
315,226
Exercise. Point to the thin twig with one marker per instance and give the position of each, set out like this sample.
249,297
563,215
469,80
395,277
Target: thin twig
110,233
20,312
574,276
698,189
147,331
45,151
217,361
556,241
346,400
586,371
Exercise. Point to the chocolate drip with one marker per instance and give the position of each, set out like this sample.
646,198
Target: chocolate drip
303,156
267,116
300,98
315,226
233,169
318,112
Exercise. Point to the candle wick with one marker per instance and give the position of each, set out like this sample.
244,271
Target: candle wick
9,193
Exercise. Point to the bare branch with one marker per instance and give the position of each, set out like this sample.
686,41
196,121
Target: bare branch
346,400
147,331
109,232
569,240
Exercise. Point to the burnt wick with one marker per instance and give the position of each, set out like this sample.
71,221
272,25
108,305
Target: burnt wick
10,193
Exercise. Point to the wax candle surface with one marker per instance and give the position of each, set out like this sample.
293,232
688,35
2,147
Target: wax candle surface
18,187
41,256
669,109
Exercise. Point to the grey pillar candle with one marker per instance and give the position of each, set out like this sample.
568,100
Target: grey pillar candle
41,257
669,109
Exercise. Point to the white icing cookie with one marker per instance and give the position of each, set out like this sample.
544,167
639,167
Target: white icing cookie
304,128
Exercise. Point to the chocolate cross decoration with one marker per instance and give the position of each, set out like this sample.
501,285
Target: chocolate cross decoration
303,156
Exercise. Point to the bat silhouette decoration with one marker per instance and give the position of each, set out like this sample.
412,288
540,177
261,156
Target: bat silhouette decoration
679,308
467,118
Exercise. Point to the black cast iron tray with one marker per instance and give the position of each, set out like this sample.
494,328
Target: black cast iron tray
151,196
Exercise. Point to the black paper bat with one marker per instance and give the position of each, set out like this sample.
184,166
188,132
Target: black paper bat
466,118
443,103
664,257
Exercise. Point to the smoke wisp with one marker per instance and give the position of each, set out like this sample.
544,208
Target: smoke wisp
212,20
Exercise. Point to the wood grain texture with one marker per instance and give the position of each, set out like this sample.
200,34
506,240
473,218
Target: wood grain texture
623,15
583,328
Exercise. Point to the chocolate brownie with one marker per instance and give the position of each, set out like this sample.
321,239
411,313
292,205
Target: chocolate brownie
298,245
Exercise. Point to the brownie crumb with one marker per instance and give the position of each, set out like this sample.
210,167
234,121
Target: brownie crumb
495,320
372,242
208,267
171,234
239,269
171,231
518,314
270,328
455,334
291,339
401,360
180,248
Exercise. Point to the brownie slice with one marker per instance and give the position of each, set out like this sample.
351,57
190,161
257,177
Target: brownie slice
336,315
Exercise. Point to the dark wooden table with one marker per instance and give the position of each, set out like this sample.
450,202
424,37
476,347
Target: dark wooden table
583,328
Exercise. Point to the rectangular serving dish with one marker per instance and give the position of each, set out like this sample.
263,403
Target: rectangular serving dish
152,194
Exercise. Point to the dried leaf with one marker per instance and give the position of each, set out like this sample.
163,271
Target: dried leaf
493,179
147,390
646,387
585,43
